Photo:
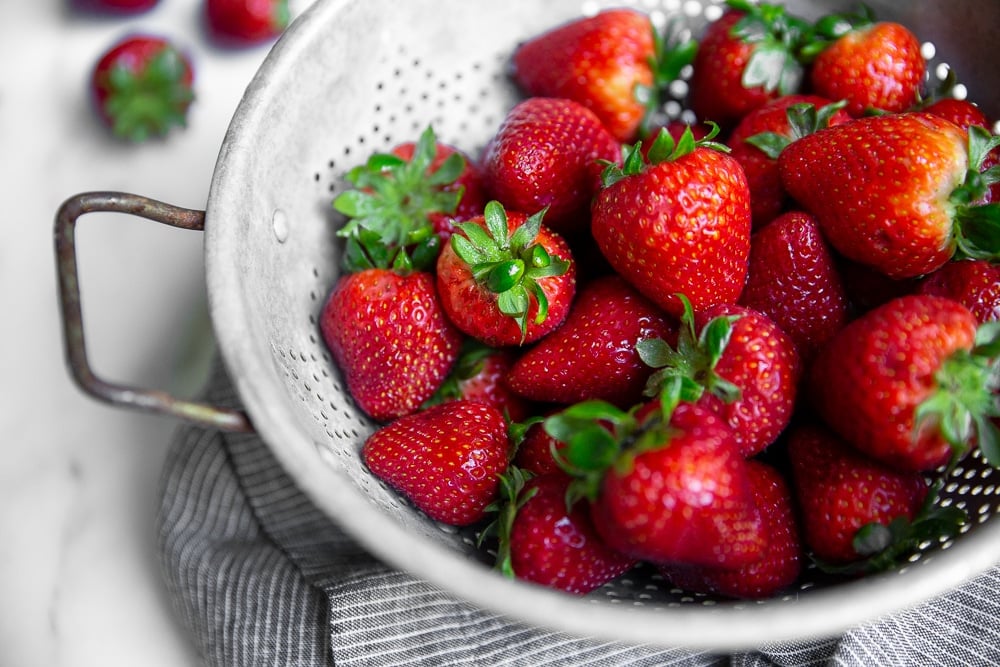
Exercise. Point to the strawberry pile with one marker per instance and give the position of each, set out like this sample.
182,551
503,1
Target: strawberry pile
722,350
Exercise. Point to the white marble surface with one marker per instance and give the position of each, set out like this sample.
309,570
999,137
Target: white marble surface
79,579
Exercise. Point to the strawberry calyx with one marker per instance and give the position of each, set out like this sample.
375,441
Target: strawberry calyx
776,36
977,226
803,119
388,207
673,50
471,358
964,403
511,498
693,361
147,101
509,264
597,436
828,29
664,148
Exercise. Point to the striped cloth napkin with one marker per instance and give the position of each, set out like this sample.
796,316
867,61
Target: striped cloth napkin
261,577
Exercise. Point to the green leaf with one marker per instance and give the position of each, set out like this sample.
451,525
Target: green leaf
496,226
449,171
872,538
467,251
770,144
524,236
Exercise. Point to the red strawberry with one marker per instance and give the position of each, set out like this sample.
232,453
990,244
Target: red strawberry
667,483
480,374
142,87
593,355
871,65
245,22
745,59
782,561
446,459
390,338
545,155
965,114
677,223
115,6
975,283
549,543
535,450
763,133
404,203
469,183
506,279
794,280
614,63
894,191
735,362
910,384
839,490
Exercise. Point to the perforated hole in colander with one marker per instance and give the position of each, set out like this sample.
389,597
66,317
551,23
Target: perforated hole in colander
464,100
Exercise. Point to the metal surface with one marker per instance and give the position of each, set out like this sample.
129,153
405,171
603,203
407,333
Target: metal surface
348,78
150,400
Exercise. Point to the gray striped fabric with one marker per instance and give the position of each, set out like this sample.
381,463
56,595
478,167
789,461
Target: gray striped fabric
261,577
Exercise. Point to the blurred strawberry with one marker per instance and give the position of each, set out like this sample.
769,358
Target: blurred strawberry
246,22
975,283
142,87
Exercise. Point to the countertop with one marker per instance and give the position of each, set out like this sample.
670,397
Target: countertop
79,579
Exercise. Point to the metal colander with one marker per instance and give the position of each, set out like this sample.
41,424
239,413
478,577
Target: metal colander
350,78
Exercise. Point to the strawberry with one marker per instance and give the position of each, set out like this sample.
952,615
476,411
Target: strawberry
873,65
855,510
975,283
545,541
736,363
762,134
535,451
505,279
245,22
480,374
676,222
390,338
142,87
965,114
614,63
794,280
401,205
745,59
911,383
867,287
545,155
895,192
782,561
469,183
592,355
114,6
447,459
666,481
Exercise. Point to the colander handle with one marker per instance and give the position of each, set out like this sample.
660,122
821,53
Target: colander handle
72,315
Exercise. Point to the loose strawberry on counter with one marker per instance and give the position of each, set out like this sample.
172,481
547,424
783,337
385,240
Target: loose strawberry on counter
245,22
142,87
911,383
677,221
505,279
546,154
